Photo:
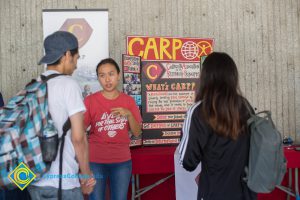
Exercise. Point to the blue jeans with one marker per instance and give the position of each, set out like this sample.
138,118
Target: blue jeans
119,177
50,193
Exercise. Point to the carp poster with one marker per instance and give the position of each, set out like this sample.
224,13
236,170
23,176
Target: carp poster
91,29
170,74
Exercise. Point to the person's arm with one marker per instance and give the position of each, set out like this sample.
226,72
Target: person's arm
135,118
80,143
197,138
135,127
75,108
87,117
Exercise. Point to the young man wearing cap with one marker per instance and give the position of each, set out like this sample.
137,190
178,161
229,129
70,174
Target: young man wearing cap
65,101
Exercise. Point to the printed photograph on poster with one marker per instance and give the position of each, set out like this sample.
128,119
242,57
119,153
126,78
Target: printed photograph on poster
131,64
131,78
131,67
138,99
91,29
132,89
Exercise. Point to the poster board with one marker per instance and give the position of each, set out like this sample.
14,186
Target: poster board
131,67
170,73
91,29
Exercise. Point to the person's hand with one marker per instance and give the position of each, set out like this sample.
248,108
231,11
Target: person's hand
88,184
88,188
121,112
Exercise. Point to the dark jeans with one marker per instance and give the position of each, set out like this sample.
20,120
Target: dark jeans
119,177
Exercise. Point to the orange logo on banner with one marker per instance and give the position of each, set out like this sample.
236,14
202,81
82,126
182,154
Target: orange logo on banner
152,71
80,28
205,48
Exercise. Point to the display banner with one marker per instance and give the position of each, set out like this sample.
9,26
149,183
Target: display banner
131,66
169,48
170,75
91,29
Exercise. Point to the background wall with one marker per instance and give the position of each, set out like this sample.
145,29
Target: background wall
262,36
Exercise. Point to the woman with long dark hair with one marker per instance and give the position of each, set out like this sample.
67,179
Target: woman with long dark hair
215,132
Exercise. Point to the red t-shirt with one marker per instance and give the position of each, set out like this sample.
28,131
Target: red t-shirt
109,138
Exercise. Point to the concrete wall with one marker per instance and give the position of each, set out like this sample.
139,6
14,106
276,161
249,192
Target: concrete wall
263,37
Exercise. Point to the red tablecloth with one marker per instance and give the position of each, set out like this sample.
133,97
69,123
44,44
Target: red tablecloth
293,161
153,164
292,157
148,161
153,160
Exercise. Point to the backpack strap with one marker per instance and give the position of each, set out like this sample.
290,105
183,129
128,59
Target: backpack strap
44,78
47,78
66,127
250,111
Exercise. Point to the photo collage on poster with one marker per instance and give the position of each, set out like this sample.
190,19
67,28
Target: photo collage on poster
132,85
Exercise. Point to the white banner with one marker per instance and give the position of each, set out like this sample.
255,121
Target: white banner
91,29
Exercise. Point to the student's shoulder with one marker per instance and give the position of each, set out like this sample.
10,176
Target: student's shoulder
67,81
194,108
196,112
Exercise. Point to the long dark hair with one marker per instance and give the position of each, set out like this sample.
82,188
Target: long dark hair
220,95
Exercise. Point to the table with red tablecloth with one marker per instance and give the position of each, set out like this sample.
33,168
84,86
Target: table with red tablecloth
155,163
153,166
292,156
293,163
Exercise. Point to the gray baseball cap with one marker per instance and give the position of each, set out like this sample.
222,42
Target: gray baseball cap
56,45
